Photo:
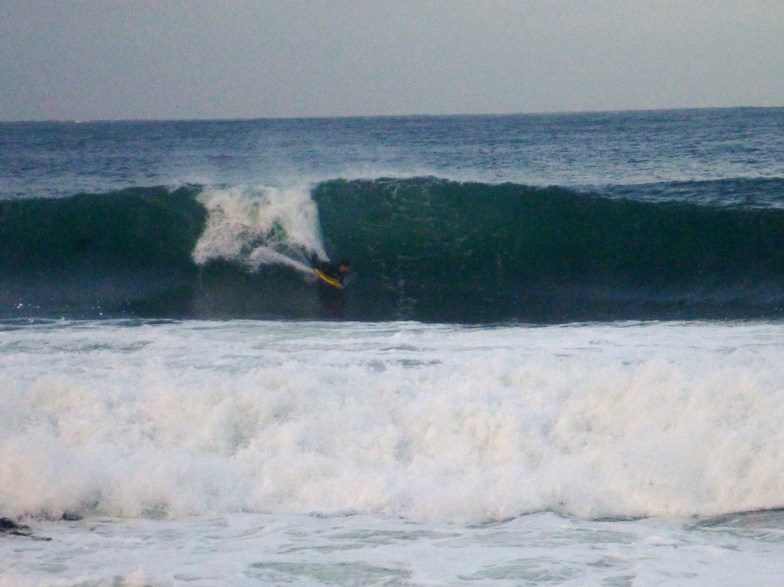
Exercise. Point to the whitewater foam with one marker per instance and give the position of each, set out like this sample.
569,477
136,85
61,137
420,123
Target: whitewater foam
253,226
428,423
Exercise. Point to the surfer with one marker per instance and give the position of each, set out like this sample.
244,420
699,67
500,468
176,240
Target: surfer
331,286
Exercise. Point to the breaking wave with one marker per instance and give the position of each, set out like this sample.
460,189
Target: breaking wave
422,248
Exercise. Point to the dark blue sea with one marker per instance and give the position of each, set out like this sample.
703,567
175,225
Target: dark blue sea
558,357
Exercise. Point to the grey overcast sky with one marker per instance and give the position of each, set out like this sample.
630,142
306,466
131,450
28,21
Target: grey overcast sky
153,59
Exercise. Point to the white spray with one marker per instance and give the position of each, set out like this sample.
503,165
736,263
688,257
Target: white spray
256,226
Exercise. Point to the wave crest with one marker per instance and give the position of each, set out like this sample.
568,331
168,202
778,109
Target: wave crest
254,226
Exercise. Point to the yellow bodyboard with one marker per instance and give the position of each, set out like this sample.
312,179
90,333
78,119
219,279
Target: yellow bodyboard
330,280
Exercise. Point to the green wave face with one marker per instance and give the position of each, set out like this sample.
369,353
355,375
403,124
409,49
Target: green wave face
438,250
421,248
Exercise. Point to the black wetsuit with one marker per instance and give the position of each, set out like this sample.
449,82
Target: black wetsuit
332,299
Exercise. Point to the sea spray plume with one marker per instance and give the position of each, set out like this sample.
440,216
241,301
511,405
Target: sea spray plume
255,226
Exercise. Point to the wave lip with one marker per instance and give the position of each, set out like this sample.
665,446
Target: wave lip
745,192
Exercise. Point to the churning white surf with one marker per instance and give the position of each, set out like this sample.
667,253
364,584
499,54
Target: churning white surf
256,225
431,423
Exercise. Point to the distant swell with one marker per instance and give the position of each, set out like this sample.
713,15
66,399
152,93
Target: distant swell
422,248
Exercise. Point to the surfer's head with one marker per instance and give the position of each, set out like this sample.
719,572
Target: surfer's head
344,265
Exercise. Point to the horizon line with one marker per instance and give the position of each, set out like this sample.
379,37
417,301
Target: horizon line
377,116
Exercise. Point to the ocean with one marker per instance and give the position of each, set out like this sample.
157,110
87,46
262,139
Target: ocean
558,358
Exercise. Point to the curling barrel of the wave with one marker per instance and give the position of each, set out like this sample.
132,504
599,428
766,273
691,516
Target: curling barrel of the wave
439,250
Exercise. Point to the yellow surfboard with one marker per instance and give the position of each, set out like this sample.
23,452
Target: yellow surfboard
330,280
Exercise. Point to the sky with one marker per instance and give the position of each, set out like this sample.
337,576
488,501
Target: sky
207,59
